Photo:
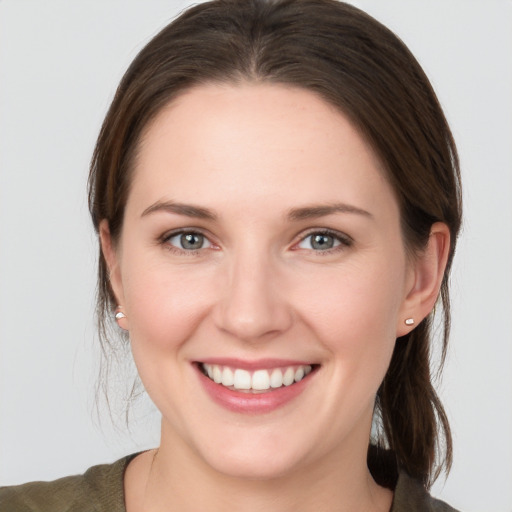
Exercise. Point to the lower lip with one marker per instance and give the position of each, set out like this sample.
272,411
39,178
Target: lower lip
252,403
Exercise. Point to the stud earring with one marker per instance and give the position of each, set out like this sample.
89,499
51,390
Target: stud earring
409,321
119,314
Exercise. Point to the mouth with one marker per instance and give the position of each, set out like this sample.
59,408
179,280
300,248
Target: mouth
255,387
259,380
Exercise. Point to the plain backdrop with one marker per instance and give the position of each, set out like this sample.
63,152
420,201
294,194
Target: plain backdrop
60,62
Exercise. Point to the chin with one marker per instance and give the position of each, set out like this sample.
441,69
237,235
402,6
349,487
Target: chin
252,453
257,465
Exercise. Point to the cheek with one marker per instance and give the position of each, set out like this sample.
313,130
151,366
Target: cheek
165,303
166,307
357,303
353,314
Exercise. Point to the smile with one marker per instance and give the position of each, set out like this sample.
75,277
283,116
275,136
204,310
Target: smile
260,380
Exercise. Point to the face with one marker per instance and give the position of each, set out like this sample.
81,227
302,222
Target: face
263,274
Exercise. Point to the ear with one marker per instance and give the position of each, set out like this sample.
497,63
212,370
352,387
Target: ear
426,276
110,253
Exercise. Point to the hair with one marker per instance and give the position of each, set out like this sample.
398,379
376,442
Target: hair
356,64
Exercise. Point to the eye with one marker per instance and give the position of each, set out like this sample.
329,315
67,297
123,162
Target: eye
323,241
188,241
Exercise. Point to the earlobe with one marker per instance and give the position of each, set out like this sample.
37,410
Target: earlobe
428,271
121,318
111,258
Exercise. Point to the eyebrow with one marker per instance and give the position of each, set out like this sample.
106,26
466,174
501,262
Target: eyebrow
187,210
294,214
322,210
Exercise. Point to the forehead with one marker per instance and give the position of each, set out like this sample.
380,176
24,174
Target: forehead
253,141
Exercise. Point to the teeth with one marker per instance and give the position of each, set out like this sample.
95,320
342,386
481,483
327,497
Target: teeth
276,378
217,374
260,380
228,379
242,379
288,377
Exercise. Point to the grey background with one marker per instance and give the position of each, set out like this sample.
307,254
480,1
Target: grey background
60,62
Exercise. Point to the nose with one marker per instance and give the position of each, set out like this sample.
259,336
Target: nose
253,306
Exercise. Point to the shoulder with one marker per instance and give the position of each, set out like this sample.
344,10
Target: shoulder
410,495
99,489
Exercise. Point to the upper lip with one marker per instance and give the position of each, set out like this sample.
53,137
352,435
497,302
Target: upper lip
255,364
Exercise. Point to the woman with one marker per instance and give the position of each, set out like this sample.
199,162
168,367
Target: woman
276,193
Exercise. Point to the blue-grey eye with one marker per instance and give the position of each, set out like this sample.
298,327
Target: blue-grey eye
319,242
189,241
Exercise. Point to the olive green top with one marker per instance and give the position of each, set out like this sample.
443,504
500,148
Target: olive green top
100,489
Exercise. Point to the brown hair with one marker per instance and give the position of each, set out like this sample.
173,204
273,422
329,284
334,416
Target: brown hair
361,67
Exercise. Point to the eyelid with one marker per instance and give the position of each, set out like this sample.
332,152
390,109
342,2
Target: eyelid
164,240
344,239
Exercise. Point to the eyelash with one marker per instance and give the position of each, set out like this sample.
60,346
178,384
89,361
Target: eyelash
164,240
344,241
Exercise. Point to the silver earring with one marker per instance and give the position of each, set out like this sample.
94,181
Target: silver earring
409,321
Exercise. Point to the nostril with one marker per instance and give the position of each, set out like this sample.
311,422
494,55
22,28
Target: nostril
253,320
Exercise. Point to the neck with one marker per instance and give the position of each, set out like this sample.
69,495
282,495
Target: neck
180,480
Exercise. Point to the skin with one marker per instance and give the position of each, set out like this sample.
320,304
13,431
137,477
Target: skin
250,154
